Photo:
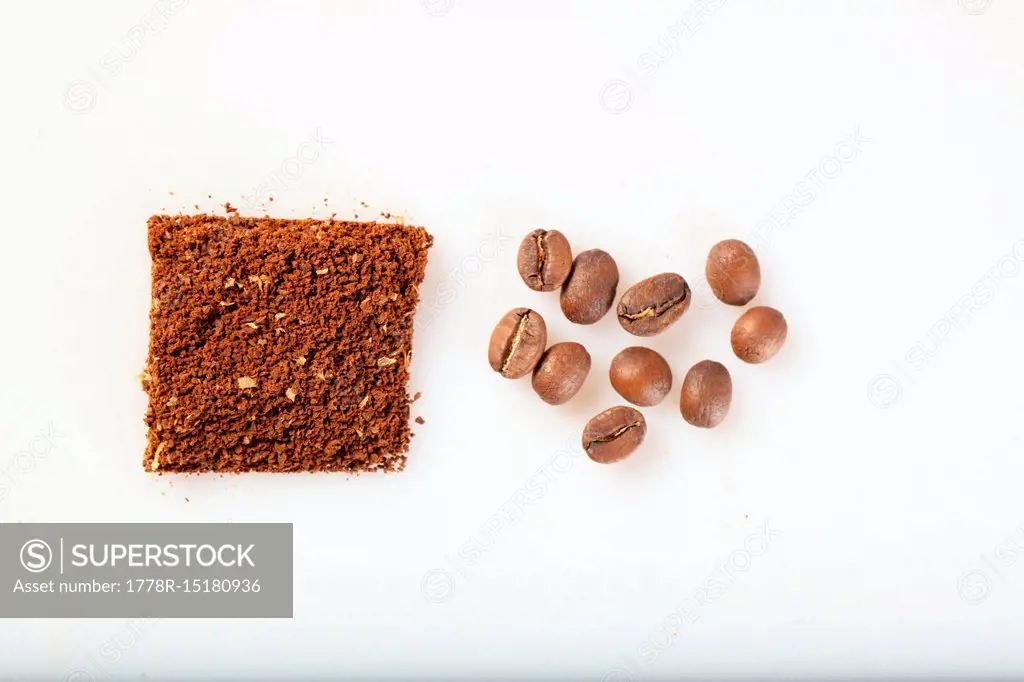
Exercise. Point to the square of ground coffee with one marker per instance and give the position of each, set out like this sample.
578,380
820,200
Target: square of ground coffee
280,345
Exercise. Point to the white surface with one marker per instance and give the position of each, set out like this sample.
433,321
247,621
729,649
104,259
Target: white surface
490,117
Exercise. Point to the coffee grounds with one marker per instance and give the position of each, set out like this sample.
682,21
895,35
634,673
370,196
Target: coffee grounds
280,345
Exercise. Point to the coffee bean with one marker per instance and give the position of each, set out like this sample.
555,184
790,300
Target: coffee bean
589,292
707,394
545,259
733,272
655,304
561,372
759,334
614,435
517,343
641,376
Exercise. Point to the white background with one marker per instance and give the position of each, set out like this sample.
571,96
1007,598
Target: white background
883,443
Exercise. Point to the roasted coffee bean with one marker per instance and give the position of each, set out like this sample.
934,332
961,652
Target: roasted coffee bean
733,272
707,394
561,372
517,343
641,376
759,334
545,259
589,292
614,435
655,304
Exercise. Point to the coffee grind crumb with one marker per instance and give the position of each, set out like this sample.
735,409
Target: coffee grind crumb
421,421
296,372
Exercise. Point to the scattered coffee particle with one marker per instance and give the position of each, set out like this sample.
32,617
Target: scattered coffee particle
234,410
421,421
417,396
229,208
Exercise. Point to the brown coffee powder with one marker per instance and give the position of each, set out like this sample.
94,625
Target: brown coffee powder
280,345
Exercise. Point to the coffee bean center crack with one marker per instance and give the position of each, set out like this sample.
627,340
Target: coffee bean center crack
655,311
540,257
524,320
614,436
